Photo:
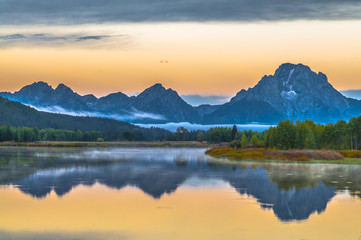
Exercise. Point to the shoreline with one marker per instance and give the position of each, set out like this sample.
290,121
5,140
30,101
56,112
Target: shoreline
284,156
59,144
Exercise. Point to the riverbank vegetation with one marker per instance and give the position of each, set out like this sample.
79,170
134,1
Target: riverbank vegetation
291,155
163,144
300,141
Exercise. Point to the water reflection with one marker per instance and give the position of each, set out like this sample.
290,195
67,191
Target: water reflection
293,192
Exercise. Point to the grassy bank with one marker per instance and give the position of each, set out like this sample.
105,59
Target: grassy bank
294,155
107,144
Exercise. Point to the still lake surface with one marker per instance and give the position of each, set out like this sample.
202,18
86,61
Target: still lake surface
172,193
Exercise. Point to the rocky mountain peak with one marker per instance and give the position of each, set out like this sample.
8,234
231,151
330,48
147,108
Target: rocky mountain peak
289,75
158,87
63,88
36,86
156,91
115,98
298,91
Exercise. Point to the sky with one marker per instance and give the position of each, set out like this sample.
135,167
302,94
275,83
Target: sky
210,48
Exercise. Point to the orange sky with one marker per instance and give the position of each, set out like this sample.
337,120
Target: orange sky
203,58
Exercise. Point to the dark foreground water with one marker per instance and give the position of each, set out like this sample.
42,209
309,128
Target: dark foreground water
148,193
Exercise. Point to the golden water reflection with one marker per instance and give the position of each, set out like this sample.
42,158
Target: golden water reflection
215,211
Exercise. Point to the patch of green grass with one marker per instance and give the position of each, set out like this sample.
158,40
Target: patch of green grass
294,155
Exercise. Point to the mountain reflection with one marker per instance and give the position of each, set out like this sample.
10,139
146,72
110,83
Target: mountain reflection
292,192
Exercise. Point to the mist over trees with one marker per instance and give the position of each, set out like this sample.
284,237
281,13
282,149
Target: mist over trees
286,135
289,135
27,134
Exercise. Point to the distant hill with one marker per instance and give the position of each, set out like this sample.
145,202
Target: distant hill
293,92
17,114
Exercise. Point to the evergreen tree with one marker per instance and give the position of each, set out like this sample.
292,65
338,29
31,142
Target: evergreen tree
270,138
310,141
238,136
201,136
181,133
254,140
234,132
244,141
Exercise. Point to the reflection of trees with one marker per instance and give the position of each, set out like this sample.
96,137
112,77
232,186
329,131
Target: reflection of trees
341,177
180,161
292,191
344,179
18,162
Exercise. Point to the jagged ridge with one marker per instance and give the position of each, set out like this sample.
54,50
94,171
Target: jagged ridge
293,92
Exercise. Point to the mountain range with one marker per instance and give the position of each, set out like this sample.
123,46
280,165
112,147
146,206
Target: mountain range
293,92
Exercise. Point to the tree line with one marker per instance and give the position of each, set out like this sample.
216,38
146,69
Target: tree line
286,135
27,134
309,135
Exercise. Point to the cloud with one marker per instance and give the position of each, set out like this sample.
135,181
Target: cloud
12,36
353,93
196,100
190,126
130,116
15,12
92,38
61,40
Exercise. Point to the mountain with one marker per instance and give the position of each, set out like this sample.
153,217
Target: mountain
293,92
244,111
113,104
206,109
166,103
41,95
154,105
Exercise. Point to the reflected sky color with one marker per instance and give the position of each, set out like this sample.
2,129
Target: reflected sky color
171,194
202,213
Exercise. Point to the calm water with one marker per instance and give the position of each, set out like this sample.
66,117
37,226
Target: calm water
148,193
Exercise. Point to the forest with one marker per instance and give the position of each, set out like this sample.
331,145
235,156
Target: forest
27,134
299,135
286,135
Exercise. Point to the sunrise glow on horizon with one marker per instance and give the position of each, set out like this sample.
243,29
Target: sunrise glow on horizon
213,58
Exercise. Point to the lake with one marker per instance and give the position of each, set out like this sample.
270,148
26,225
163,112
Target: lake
172,193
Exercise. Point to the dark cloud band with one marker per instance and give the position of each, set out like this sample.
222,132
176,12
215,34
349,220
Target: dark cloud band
14,12
52,40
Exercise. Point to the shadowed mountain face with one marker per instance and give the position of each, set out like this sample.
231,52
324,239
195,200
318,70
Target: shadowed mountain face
299,93
293,92
154,105
40,94
293,194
